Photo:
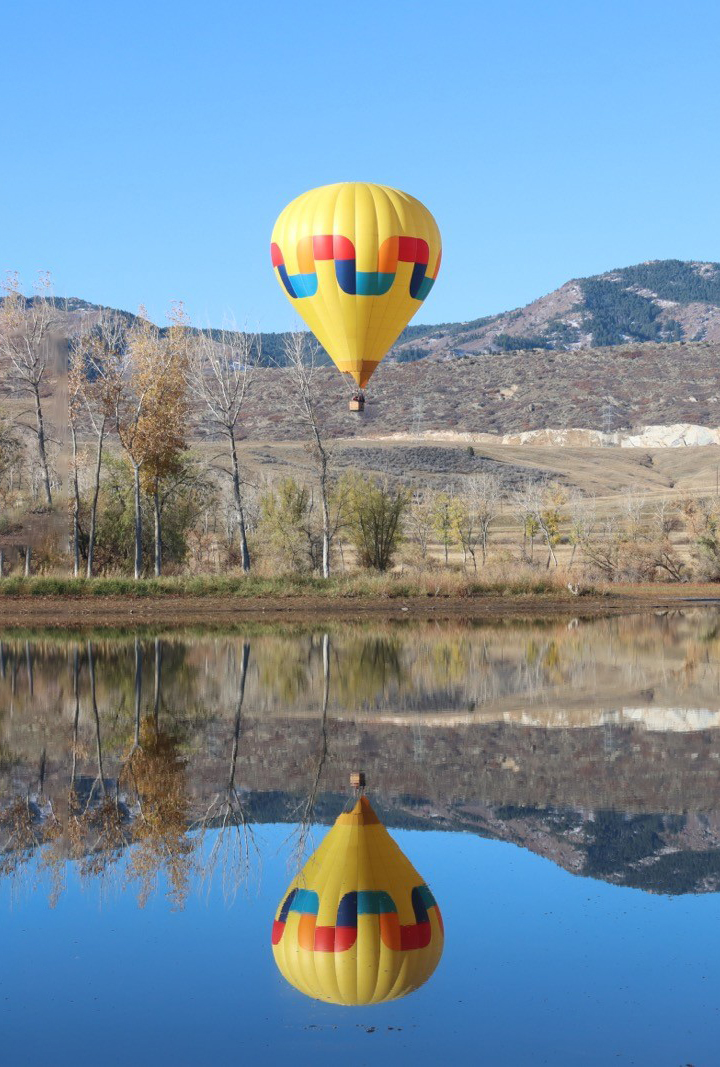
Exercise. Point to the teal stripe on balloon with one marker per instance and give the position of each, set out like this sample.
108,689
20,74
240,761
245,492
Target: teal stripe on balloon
375,902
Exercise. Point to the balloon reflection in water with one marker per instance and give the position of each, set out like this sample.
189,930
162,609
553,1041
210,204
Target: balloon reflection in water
357,925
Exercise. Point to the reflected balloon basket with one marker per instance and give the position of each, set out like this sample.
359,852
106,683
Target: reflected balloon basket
358,925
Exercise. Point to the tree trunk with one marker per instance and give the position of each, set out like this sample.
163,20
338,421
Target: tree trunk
42,449
76,694
2,562
158,531
93,699
326,518
28,554
138,523
138,689
29,668
96,494
244,553
158,682
76,503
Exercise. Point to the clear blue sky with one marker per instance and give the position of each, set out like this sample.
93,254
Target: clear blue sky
146,148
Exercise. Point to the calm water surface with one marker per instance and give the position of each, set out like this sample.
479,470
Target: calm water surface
556,784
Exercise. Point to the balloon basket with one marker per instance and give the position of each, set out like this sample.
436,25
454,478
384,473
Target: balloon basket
356,405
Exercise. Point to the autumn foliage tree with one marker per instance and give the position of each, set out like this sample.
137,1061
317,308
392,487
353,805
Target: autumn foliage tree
147,398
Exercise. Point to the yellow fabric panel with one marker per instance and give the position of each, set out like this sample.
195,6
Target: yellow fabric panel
355,329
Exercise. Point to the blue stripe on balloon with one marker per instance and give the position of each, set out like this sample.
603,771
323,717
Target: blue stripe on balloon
418,277
356,283
282,271
375,902
306,902
345,274
374,283
347,910
303,284
423,289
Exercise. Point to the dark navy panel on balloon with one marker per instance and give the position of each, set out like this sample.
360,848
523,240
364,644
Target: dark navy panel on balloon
345,274
418,276
284,911
347,910
419,905
282,271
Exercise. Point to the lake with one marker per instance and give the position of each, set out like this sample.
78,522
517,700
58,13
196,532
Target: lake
553,788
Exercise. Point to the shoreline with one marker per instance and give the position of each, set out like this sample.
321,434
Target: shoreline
176,611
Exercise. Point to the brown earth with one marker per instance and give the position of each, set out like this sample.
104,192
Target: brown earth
176,612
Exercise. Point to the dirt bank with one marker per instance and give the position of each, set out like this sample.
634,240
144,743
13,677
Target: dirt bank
176,612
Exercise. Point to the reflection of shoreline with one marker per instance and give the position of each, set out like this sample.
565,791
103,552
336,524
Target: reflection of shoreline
651,718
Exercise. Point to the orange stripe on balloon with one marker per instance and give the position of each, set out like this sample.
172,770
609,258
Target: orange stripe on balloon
305,256
388,255
306,931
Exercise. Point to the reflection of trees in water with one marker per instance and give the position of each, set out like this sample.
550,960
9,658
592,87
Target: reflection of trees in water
160,841
118,719
367,669
97,828
30,828
142,814
231,853
418,667
306,811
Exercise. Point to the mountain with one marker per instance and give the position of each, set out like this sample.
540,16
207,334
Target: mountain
660,301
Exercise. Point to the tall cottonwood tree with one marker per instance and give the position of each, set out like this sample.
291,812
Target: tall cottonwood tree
163,422
26,327
301,363
95,353
220,375
141,390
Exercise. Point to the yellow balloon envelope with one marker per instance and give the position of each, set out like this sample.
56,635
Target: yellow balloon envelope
358,925
356,261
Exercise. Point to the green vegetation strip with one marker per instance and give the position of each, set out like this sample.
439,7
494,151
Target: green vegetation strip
360,587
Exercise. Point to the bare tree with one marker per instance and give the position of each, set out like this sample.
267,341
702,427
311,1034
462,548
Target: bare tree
474,513
74,386
234,843
220,376
542,504
420,520
307,809
301,362
583,520
25,346
95,352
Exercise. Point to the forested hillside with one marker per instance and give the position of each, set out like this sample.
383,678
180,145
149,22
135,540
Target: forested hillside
661,301
665,300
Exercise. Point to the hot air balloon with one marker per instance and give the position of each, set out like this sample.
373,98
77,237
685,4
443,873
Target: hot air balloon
356,261
357,925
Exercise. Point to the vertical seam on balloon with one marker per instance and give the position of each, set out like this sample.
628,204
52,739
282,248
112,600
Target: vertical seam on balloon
383,947
321,290
388,302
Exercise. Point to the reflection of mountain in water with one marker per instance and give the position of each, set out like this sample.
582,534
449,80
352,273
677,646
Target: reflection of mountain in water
671,854
593,745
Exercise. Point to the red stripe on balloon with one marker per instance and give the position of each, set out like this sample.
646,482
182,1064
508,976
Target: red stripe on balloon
415,936
343,248
323,247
